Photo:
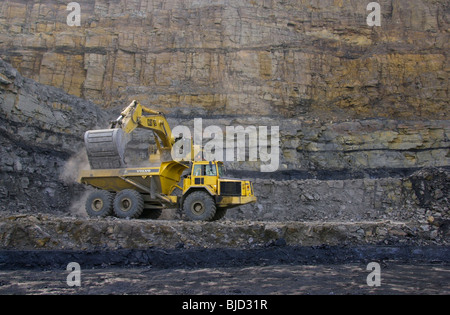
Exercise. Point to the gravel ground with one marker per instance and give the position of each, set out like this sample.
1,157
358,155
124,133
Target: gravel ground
264,271
395,278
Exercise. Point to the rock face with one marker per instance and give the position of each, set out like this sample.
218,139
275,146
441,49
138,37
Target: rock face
348,146
359,108
41,129
417,197
291,58
345,95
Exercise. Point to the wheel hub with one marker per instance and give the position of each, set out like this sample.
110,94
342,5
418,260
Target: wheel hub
198,208
125,204
97,204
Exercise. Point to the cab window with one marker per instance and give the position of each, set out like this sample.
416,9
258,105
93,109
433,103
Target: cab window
205,170
197,170
221,170
210,170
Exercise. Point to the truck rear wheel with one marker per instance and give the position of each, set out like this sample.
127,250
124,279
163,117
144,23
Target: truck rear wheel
128,204
99,203
199,206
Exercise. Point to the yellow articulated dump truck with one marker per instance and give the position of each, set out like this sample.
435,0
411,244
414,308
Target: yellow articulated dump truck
205,193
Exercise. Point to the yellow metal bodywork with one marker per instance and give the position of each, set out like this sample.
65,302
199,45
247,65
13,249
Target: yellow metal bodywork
230,202
247,196
212,184
132,118
136,115
161,181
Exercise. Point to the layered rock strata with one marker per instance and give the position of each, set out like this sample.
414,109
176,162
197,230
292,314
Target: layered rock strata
295,58
41,129
355,104
358,170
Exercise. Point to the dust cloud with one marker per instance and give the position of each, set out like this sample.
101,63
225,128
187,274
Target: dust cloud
69,174
71,169
78,206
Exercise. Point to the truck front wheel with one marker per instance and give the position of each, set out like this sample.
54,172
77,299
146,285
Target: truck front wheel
199,206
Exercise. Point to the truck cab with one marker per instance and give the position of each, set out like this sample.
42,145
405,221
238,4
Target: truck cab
207,193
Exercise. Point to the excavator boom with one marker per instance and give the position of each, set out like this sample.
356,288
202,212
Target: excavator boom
106,148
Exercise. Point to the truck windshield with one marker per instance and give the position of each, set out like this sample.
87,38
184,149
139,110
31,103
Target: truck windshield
221,170
205,170
210,170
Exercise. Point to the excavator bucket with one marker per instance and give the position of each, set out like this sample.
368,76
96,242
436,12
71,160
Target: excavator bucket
106,148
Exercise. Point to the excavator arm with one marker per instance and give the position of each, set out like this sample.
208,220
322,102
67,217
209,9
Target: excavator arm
106,148
133,117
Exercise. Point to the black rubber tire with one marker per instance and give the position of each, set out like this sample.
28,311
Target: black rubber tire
220,213
128,204
99,204
199,206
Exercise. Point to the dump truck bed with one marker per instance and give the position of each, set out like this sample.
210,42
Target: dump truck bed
119,179
150,180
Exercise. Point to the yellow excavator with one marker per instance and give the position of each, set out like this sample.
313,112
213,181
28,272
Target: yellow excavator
129,192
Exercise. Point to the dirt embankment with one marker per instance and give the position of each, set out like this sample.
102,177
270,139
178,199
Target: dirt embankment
29,232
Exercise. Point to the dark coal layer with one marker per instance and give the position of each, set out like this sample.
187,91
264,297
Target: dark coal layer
220,257
341,174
